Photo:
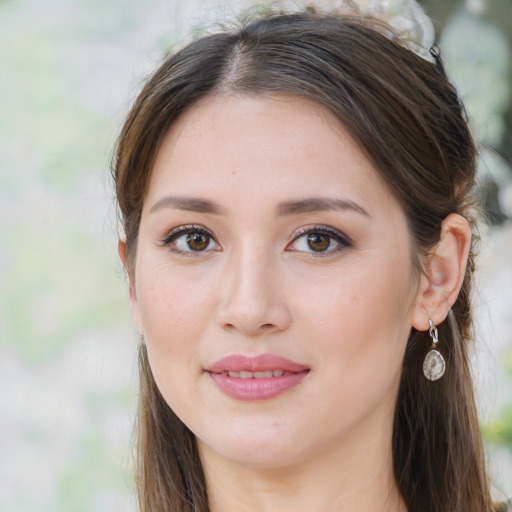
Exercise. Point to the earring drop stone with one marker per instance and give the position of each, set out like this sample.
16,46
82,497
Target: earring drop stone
434,365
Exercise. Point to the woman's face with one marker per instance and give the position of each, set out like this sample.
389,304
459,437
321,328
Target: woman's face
273,282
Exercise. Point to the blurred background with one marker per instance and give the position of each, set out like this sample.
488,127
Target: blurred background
69,69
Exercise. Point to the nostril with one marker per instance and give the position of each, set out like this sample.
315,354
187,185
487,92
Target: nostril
251,330
252,317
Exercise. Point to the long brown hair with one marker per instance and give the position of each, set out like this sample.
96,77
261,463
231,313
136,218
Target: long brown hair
408,120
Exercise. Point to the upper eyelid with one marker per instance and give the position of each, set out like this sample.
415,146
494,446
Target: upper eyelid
343,241
187,228
169,239
320,228
184,229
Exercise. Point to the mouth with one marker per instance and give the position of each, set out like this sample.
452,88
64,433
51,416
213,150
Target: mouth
255,375
256,378
256,366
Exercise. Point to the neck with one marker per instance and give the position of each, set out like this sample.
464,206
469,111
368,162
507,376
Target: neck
354,476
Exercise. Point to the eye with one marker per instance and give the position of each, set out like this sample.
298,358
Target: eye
190,239
321,241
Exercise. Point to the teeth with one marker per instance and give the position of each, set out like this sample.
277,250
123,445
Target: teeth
263,375
255,375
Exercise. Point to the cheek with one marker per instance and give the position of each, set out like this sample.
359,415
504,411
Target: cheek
170,316
174,312
170,302
364,320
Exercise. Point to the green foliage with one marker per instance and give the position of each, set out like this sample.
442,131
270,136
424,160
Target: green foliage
499,429
86,485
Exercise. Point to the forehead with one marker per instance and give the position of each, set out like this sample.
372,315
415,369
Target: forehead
278,146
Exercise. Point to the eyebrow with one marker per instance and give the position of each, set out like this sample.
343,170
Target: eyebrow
319,204
192,204
308,205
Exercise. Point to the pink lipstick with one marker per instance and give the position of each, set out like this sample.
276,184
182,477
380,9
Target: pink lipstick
256,378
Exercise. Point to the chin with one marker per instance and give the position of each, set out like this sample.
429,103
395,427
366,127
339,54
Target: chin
264,449
261,457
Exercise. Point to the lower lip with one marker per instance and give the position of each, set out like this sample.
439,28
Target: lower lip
257,389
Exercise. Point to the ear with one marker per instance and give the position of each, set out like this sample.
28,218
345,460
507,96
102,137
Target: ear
123,254
445,267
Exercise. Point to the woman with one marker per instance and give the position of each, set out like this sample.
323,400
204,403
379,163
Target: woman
296,200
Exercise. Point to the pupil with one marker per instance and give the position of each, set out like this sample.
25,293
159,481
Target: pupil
318,243
197,241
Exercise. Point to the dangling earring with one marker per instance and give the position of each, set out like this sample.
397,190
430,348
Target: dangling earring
433,365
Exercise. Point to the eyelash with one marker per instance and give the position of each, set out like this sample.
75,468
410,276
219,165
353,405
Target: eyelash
180,231
334,235
342,240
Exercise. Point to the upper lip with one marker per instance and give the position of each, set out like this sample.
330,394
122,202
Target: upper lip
261,363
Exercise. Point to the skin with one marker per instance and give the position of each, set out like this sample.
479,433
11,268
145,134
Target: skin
258,288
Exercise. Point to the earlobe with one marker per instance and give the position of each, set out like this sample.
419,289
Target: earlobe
121,247
445,268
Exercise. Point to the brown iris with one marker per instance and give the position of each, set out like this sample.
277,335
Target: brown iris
318,242
198,241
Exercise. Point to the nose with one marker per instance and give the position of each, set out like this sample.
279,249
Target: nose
253,298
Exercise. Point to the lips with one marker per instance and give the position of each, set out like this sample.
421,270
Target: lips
255,375
256,378
262,363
